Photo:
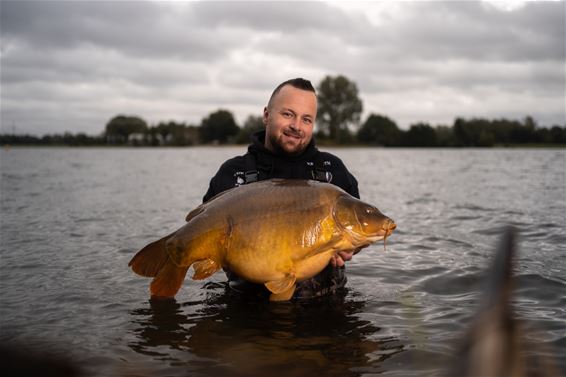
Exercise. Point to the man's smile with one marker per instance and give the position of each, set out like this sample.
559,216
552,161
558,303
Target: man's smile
292,134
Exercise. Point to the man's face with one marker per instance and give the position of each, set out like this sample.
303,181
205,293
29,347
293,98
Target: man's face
289,120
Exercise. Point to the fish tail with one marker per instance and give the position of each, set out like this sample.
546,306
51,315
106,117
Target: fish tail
151,259
169,280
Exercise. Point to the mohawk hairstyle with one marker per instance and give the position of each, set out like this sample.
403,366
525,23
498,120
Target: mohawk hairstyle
298,83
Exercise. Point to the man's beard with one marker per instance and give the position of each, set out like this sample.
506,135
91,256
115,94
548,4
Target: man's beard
279,149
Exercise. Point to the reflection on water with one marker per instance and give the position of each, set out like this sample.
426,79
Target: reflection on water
231,335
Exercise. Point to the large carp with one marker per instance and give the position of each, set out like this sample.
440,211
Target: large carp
274,232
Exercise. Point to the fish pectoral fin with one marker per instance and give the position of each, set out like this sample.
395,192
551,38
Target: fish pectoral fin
283,296
205,268
168,281
282,285
335,243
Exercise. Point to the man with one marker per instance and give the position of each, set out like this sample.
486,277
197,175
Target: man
286,150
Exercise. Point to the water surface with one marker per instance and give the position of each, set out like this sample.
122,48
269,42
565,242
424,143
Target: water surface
72,218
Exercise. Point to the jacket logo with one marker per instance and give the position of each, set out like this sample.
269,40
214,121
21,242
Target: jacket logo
239,175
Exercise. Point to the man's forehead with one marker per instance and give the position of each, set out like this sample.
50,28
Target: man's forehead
289,96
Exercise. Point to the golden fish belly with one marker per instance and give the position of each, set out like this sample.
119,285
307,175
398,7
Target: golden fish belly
268,256
257,269
309,267
273,266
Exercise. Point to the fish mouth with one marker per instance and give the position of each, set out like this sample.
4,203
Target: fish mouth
385,232
365,239
389,228
378,237
389,225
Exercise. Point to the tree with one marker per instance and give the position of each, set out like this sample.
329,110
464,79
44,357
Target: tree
420,135
338,106
173,133
484,132
558,134
121,126
444,136
252,124
467,132
524,133
380,130
218,127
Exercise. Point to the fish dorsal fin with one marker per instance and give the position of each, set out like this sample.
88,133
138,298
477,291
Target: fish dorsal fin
194,213
281,285
197,211
205,268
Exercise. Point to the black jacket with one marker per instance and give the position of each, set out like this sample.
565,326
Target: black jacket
269,165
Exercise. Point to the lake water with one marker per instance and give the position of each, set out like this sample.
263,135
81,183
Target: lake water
72,218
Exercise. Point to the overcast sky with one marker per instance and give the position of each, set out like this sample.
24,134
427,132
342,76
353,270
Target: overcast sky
71,66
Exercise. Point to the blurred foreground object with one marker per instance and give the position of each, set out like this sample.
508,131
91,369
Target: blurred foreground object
496,345
20,362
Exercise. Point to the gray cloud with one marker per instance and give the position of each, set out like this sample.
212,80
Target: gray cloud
476,31
138,28
279,16
73,65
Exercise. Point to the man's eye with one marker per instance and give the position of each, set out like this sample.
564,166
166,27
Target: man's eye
307,120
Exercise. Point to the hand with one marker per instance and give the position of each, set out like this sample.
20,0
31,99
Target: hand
340,258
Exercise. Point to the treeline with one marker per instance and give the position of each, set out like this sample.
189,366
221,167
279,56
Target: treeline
67,138
377,130
338,123
219,127
476,132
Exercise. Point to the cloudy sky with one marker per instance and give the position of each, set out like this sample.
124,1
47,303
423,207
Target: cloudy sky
73,65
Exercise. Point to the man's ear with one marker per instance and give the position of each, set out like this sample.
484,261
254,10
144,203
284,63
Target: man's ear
265,116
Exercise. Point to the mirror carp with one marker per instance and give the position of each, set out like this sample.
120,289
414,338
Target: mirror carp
274,232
